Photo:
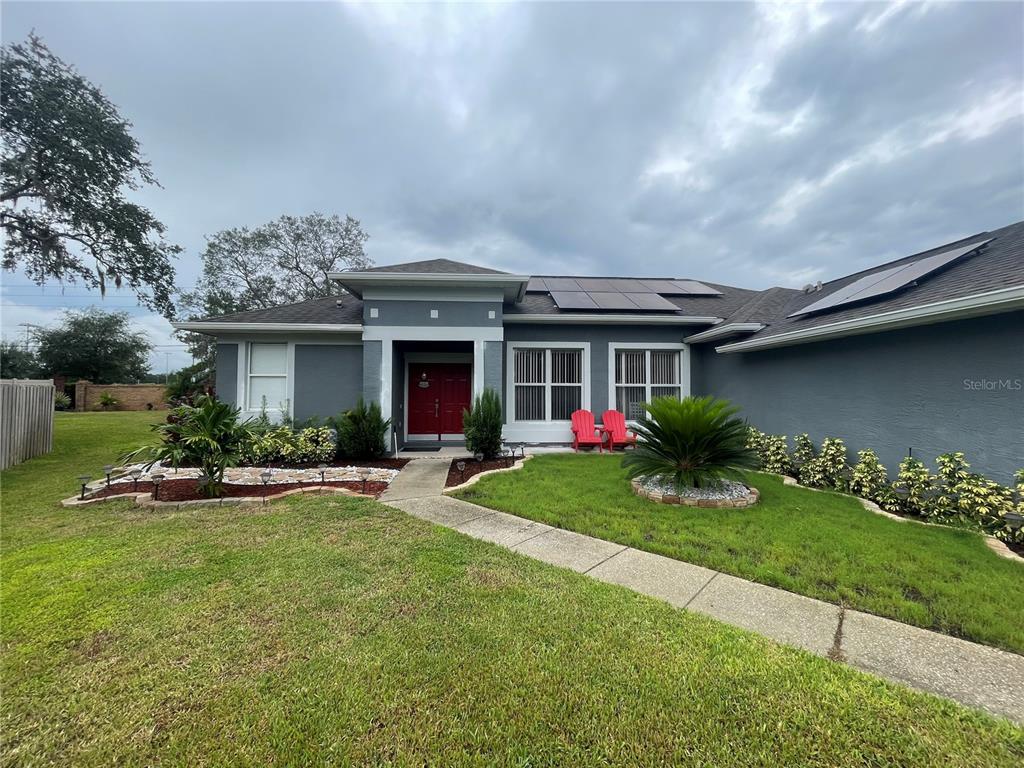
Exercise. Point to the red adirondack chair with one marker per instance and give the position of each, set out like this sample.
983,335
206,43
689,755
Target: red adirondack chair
615,432
584,433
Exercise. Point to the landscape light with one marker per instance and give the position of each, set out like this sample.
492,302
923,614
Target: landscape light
136,474
156,480
461,466
84,480
107,469
323,470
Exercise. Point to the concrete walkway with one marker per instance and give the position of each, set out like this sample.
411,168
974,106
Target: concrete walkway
975,675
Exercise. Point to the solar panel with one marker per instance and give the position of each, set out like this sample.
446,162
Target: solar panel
537,285
595,284
623,285
651,301
889,280
655,286
693,288
573,300
561,284
613,300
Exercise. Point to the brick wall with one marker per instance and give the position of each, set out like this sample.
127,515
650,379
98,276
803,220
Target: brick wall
130,397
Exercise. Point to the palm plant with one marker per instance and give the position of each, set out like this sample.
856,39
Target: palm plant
208,435
694,443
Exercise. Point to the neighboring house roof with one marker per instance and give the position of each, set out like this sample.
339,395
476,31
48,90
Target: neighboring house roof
990,280
436,267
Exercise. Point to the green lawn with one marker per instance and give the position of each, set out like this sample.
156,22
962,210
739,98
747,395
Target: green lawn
825,545
336,630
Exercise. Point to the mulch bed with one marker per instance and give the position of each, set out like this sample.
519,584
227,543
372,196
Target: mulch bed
187,489
473,467
387,463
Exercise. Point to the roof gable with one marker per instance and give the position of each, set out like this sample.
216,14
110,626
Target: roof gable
435,267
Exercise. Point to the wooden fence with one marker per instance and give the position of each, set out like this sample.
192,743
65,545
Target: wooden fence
26,420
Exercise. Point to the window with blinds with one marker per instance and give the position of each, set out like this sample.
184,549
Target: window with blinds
268,376
643,374
548,383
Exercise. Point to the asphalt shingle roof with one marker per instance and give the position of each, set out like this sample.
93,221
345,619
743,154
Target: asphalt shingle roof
436,267
999,265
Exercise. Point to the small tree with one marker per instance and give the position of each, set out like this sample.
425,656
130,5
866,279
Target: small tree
361,431
95,345
17,362
482,424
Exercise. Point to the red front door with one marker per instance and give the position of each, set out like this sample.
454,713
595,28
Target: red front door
438,393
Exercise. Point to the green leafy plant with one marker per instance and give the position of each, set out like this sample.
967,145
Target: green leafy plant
482,424
208,435
315,445
361,431
108,401
277,445
912,489
61,401
870,478
694,443
828,469
772,452
803,450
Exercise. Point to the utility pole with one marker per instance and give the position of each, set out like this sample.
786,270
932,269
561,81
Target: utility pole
28,333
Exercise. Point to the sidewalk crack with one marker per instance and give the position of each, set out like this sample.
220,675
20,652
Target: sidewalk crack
613,554
836,651
697,593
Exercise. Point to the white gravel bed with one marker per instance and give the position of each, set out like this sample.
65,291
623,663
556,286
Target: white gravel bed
727,490
251,475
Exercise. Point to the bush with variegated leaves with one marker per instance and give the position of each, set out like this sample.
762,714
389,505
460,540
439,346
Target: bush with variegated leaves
869,478
828,469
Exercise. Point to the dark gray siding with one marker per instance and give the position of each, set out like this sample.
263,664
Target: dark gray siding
493,365
226,380
599,336
954,386
371,370
328,379
449,313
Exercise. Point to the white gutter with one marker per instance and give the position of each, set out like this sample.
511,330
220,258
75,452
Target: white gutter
206,327
988,303
565,317
720,331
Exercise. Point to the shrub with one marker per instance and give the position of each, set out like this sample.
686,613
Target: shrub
774,455
208,435
869,478
755,439
482,425
694,443
315,445
108,401
828,469
913,488
277,445
61,401
361,431
804,450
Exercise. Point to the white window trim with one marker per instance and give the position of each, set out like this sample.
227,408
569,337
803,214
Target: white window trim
510,383
244,351
684,365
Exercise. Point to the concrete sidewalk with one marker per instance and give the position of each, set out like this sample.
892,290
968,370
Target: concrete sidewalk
972,674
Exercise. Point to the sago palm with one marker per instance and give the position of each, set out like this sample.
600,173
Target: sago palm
695,443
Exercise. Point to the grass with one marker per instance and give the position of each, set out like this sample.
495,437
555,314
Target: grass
824,545
337,630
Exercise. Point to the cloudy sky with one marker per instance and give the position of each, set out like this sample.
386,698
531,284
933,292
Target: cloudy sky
756,145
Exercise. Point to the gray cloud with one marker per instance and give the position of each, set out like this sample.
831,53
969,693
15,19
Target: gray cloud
748,144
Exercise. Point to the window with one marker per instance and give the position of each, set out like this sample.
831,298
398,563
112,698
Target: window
268,376
548,383
643,374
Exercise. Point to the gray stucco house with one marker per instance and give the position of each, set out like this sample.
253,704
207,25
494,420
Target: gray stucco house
922,353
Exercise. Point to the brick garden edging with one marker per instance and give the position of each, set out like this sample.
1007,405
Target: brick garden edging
517,464
663,498
146,499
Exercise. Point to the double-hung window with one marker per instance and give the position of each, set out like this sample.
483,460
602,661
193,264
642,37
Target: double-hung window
268,376
644,374
547,383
